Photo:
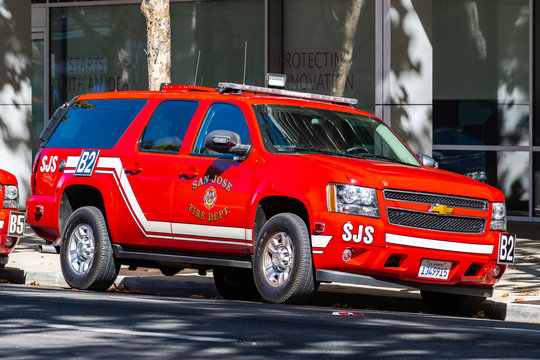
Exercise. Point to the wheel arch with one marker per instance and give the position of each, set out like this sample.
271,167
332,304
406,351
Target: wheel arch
273,205
75,197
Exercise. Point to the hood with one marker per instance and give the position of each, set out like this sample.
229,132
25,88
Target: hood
386,175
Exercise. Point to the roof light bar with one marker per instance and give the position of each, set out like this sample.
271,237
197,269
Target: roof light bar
289,93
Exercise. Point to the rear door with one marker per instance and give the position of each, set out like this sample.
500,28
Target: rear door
150,173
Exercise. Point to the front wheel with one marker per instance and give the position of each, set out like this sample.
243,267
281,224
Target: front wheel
452,304
283,265
86,254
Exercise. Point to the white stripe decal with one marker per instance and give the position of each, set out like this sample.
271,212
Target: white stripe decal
1,224
209,231
113,166
318,251
439,244
320,241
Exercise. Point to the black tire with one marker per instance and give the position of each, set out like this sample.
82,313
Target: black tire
235,283
86,254
283,264
452,304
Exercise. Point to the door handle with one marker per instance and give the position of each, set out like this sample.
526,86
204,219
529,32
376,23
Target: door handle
188,174
132,170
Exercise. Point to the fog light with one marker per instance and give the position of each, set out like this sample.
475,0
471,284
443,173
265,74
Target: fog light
347,254
10,242
496,271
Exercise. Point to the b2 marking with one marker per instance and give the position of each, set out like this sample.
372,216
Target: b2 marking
365,233
507,245
87,163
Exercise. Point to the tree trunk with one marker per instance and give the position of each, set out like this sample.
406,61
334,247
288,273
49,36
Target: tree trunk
349,32
158,33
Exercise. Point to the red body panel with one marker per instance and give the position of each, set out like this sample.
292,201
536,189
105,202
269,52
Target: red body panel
6,178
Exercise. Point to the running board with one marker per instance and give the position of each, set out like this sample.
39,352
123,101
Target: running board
343,277
122,253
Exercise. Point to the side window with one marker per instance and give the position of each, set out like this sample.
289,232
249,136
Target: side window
167,126
222,116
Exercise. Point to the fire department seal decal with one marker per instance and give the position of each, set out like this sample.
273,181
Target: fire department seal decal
210,197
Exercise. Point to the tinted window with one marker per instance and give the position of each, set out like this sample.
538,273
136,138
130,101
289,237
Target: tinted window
295,129
96,124
222,116
168,125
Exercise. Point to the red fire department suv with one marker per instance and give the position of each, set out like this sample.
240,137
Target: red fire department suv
275,191
11,220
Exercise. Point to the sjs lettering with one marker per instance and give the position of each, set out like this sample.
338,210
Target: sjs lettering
364,234
48,165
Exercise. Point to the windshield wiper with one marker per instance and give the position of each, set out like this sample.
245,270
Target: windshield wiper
381,157
309,150
336,153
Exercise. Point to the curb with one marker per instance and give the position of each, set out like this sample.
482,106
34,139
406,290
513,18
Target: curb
195,286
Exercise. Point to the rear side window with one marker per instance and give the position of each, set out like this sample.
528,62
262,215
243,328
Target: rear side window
96,124
168,125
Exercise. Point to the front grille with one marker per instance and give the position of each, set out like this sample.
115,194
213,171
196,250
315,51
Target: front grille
432,199
429,221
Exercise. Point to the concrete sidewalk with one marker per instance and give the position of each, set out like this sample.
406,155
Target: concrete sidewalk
516,296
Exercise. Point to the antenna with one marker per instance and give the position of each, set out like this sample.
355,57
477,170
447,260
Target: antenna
245,60
197,68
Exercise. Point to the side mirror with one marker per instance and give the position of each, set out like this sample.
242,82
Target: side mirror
226,142
428,161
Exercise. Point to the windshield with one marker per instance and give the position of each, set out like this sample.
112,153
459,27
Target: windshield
294,129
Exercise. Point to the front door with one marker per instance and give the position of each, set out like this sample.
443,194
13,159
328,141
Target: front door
212,197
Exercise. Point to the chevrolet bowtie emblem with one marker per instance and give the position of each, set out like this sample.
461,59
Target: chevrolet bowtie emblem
442,209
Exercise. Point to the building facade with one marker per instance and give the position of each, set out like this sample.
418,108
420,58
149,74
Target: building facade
454,78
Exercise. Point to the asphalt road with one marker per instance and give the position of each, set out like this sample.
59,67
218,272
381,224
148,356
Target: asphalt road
58,323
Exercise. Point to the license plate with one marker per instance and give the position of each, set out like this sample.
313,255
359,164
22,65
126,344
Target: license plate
434,269
507,246
16,224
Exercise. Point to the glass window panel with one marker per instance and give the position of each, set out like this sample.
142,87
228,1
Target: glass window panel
168,125
222,116
97,49
38,78
481,70
219,30
83,125
507,171
318,38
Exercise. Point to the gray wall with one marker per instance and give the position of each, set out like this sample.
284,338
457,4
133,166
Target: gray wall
15,92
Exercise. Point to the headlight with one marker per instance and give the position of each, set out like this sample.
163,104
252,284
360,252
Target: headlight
11,197
498,217
351,199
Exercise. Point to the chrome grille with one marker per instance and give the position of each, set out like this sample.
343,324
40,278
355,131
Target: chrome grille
432,199
430,221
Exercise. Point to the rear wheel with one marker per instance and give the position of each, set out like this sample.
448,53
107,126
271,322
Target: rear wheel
235,284
86,254
452,304
283,265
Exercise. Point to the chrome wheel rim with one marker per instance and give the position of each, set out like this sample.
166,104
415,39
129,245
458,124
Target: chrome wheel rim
82,246
278,259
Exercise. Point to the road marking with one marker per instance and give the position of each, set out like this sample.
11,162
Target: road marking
132,332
